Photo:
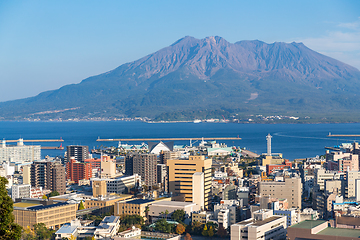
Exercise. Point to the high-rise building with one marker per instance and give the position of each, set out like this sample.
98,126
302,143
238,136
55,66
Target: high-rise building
181,171
162,176
48,175
76,171
108,167
79,152
144,165
129,164
19,152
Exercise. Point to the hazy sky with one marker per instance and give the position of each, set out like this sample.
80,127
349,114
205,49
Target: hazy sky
47,44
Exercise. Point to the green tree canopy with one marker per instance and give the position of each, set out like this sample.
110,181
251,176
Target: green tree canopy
130,220
178,215
8,229
54,193
81,206
42,232
163,226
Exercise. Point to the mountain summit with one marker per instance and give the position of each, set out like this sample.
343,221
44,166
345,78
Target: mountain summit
207,75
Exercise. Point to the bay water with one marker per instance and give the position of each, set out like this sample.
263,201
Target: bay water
292,140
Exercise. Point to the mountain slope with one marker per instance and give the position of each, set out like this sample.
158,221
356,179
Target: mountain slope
210,74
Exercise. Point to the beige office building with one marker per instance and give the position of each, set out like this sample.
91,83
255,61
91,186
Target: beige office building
99,188
290,188
32,211
181,173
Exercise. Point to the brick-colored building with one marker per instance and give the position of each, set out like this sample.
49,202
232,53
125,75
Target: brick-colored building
95,163
76,171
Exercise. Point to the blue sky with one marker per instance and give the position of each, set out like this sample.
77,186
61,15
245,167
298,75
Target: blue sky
47,44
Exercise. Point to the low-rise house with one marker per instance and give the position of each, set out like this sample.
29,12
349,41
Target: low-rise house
107,229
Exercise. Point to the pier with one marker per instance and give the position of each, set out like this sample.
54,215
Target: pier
51,148
343,135
36,140
163,139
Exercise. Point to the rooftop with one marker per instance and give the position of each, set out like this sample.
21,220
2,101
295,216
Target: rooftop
259,223
173,203
340,232
67,228
139,201
41,207
25,205
308,224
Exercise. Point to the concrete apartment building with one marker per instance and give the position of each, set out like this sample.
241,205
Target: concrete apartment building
290,188
107,167
350,189
162,176
80,153
32,211
48,175
263,225
144,165
181,173
321,175
121,185
20,191
19,152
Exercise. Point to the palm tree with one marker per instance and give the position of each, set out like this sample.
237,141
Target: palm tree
166,213
147,209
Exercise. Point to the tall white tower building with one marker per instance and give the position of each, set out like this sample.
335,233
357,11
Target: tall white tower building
268,139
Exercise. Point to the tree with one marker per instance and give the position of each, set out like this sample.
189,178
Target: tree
204,231
221,231
41,231
210,231
81,206
147,209
8,229
188,236
28,234
163,226
178,215
53,194
166,213
44,197
180,229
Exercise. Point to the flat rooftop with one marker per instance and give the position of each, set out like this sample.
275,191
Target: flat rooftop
252,221
308,224
139,201
25,205
340,232
172,203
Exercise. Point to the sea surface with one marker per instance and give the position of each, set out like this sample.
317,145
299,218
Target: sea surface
292,140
